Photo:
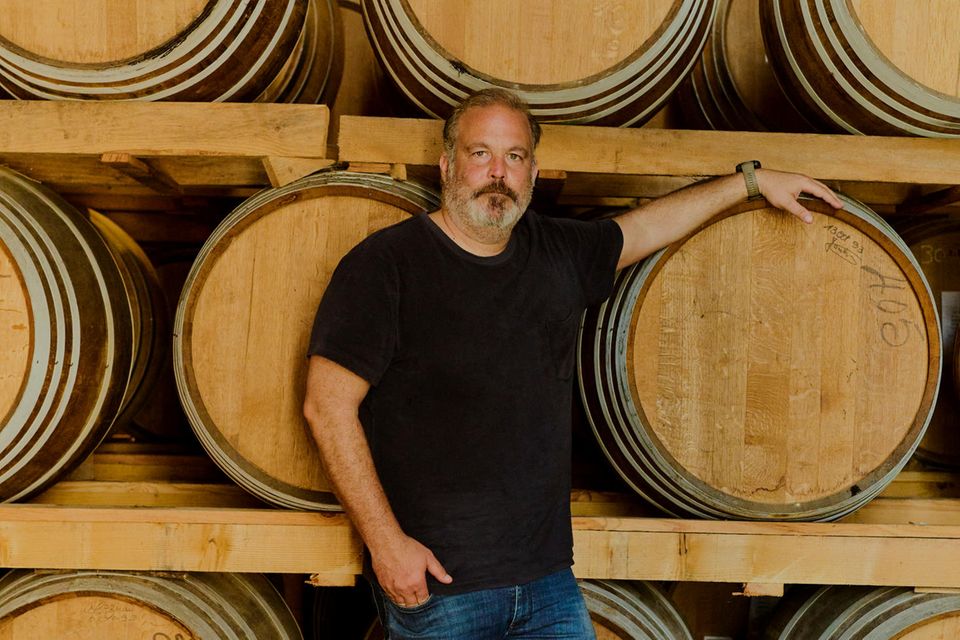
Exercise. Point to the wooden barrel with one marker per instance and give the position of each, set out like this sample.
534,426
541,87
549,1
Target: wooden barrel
79,345
243,324
314,69
935,241
599,62
363,86
623,610
873,67
150,322
184,50
865,613
762,368
91,605
733,87
160,418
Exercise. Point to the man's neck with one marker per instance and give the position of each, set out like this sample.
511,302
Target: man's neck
479,243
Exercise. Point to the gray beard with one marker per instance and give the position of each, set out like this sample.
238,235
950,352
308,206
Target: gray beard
489,217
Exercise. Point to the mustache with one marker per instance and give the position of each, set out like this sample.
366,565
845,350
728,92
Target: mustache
497,187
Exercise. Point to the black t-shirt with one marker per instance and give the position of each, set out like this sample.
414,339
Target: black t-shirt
470,361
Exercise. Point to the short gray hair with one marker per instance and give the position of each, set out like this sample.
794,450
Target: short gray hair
486,98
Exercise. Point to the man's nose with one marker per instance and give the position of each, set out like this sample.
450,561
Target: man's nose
498,168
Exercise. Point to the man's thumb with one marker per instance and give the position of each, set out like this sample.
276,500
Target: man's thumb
437,571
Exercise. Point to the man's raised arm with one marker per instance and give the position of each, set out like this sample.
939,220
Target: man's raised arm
657,223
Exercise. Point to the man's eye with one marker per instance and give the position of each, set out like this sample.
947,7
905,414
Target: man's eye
479,154
515,156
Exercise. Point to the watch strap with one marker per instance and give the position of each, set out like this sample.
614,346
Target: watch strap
748,169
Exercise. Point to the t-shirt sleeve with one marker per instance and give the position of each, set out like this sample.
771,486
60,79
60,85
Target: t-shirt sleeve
595,250
356,321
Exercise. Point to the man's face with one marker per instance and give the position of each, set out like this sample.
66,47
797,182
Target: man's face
489,182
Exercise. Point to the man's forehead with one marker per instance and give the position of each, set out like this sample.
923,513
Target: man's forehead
491,123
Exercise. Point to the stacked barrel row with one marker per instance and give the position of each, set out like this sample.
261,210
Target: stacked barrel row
757,369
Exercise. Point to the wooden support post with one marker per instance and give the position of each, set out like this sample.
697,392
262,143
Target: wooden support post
283,171
332,580
397,171
143,172
755,589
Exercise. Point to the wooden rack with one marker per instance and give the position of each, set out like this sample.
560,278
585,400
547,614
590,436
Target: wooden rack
130,508
138,507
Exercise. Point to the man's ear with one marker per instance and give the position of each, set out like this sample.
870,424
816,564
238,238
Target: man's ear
535,173
443,166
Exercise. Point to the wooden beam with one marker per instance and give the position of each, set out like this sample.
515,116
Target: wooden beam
766,553
753,589
258,540
666,152
629,548
924,484
164,227
930,202
919,511
148,129
152,467
142,172
283,171
147,494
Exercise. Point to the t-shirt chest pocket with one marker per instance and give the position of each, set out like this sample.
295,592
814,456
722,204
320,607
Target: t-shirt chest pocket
559,341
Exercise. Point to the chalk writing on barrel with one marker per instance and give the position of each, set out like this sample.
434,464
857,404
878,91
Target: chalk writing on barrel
885,291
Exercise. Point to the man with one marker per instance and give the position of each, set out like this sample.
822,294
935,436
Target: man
440,380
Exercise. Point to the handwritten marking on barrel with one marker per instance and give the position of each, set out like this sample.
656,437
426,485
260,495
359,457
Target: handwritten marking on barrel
843,245
895,332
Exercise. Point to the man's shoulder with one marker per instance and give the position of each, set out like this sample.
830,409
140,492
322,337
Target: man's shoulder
554,227
388,241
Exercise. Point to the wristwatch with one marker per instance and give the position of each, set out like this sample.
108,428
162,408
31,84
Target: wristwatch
747,169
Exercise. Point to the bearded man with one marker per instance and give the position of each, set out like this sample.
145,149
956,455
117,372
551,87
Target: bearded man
440,380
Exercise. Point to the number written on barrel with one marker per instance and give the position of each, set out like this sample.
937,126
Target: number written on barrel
889,294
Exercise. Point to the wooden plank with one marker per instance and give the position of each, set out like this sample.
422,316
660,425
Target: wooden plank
930,202
271,540
924,484
147,494
584,502
148,129
283,171
766,553
196,175
164,227
258,540
666,152
753,589
920,511
143,172
140,467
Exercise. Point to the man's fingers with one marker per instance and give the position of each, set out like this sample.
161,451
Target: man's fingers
824,192
409,597
799,210
789,203
437,571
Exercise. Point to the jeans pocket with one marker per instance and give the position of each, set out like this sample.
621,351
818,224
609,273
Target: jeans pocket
418,621
413,608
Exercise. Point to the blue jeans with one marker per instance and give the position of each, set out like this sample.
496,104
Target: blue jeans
549,608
